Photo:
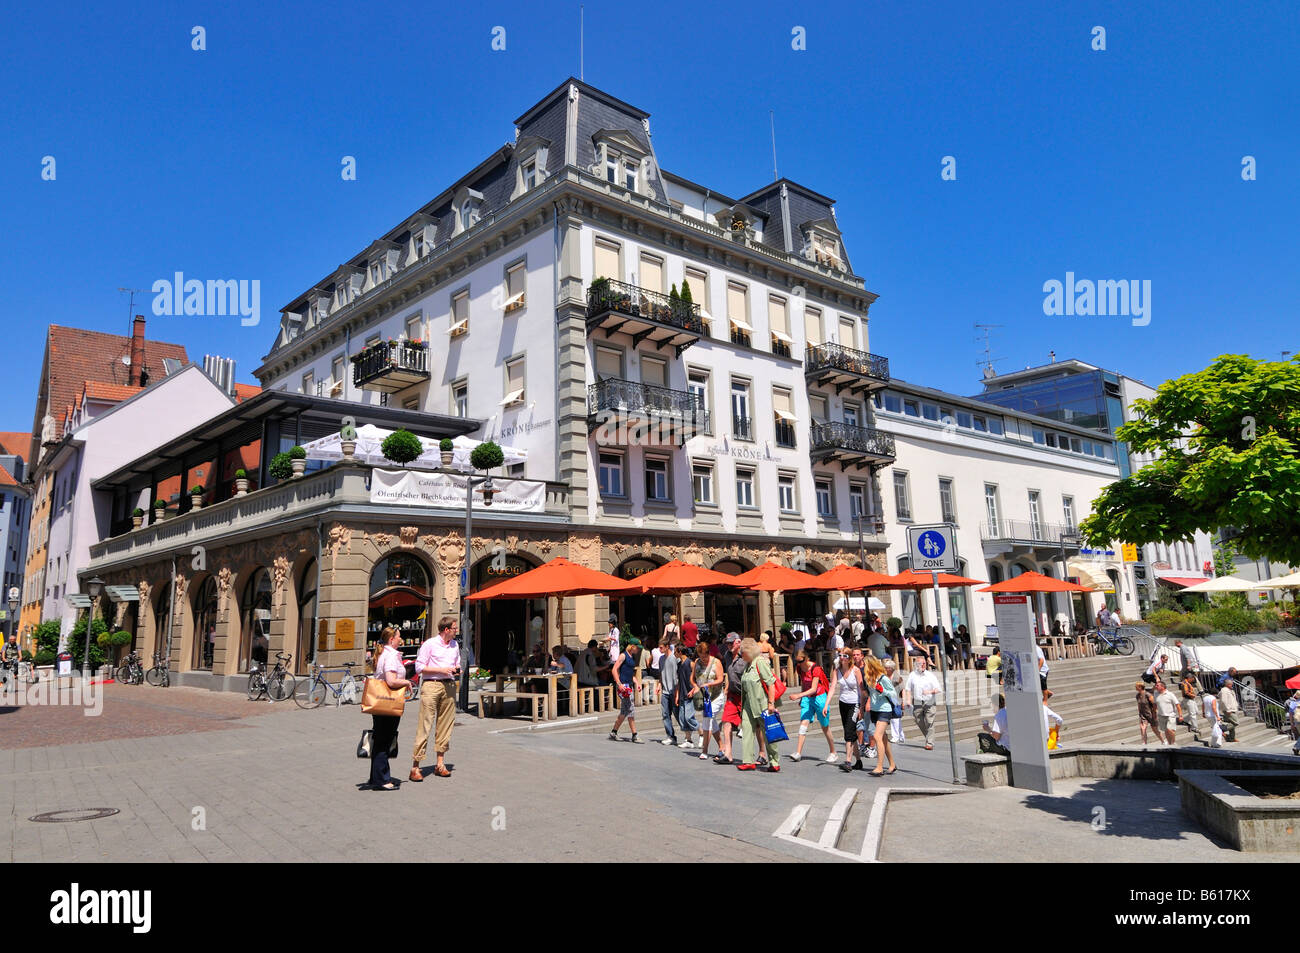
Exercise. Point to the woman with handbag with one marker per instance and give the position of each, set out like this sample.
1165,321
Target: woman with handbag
758,698
390,674
885,706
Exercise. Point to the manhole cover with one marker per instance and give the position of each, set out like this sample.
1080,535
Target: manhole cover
67,817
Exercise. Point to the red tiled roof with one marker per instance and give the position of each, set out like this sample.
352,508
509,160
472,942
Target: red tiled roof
18,444
76,356
245,392
6,479
98,390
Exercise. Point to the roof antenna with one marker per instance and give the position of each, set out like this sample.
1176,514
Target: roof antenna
771,115
581,9
989,360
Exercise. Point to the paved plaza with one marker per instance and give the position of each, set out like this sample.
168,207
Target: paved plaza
197,775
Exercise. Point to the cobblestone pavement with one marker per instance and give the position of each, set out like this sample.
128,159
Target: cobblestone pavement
125,711
283,787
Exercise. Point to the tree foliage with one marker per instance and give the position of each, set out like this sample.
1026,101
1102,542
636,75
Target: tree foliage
1227,441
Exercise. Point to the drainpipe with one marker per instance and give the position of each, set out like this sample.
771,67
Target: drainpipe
315,608
171,615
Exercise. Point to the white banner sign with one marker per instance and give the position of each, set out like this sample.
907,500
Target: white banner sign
447,490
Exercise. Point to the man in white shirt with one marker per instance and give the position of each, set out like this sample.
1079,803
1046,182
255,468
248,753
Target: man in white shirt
857,629
1051,718
1043,668
1168,711
612,639
921,691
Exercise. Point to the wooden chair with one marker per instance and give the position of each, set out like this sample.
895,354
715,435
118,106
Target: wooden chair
604,695
496,701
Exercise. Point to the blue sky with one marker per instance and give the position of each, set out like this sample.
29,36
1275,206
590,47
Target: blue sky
1122,164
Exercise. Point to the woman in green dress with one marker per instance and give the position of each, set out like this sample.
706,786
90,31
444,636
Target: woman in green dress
758,696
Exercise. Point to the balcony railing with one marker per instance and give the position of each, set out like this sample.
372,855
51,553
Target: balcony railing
1028,531
846,443
390,366
784,433
741,337
845,368
742,428
620,412
646,315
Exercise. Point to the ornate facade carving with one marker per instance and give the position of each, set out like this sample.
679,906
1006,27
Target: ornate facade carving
145,590
225,577
407,535
340,538
279,575
585,550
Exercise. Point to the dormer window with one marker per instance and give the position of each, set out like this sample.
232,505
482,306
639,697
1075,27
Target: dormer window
529,171
530,163
620,158
822,244
376,272
468,209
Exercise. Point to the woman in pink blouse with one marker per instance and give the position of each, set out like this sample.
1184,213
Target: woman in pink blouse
390,667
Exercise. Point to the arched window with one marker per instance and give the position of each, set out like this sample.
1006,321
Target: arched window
401,595
255,621
306,617
205,624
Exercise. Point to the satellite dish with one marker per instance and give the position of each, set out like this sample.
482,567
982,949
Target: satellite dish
126,359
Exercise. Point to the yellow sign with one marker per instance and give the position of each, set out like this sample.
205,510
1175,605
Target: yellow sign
1130,552
345,634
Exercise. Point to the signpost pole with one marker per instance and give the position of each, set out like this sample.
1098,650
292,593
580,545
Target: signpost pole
943,668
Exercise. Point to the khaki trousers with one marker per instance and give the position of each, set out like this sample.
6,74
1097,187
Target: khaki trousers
436,703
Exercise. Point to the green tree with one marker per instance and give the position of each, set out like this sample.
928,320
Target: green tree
1228,446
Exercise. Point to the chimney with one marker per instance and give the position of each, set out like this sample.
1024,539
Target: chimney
137,350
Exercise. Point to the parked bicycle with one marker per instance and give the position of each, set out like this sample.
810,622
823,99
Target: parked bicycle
160,675
131,671
1114,644
277,684
313,692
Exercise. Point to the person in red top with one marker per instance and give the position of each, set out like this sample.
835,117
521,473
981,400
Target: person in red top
690,632
814,704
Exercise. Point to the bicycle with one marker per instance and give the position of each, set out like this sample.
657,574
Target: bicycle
1115,645
131,671
159,676
277,685
347,691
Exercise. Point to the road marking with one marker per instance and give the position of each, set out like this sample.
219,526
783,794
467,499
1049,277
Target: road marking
791,827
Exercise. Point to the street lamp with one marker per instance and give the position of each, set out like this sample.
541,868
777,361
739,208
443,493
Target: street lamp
13,611
465,626
94,587
1074,540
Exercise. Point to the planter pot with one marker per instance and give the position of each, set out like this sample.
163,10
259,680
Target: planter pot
137,521
299,466
446,457
349,449
196,502
477,684
159,515
241,487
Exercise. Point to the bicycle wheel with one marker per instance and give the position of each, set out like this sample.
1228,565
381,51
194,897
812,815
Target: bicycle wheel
280,686
256,686
154,677
310,694
1124,645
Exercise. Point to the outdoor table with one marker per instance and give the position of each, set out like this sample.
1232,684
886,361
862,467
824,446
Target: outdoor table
552,688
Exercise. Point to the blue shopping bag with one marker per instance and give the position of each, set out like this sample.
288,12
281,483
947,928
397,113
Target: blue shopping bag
773,728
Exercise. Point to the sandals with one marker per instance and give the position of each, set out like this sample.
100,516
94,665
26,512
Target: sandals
721,760
441,772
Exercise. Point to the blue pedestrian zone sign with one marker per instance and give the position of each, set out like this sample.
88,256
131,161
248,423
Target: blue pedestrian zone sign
932,547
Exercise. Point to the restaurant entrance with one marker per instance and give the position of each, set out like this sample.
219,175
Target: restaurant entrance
641,616
401,596
731,611
505,630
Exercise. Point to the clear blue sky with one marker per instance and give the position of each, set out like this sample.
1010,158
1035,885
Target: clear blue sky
1117,164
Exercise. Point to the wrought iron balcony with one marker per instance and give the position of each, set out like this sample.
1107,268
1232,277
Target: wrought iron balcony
621,413
646,315
390,366
846,444
834,365
742,428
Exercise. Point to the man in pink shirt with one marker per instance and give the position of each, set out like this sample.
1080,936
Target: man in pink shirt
438,665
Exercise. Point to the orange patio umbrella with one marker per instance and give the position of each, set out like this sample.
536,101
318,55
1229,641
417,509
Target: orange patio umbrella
924,580
1035,582
558,578
773,577
845,578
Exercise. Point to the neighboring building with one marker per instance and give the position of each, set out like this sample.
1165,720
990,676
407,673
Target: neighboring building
1016,503
82,374
15,513
1087,396
486,307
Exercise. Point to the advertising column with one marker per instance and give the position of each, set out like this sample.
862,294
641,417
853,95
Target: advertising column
1026,723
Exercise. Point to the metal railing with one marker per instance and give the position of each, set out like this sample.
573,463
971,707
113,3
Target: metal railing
616,395
742,428
605,295
383,358
837,357
1026,530
784,433
833,435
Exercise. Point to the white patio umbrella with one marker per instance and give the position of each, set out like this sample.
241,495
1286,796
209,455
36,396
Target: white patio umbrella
1280,582
370,440
854,604
1224,584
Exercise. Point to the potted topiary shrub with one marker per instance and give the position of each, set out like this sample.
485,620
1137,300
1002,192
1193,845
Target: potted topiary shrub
401,447
137,518
348,439
280,467
241,483
486,456
159,510
297,461
445,447
112,643
196,497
